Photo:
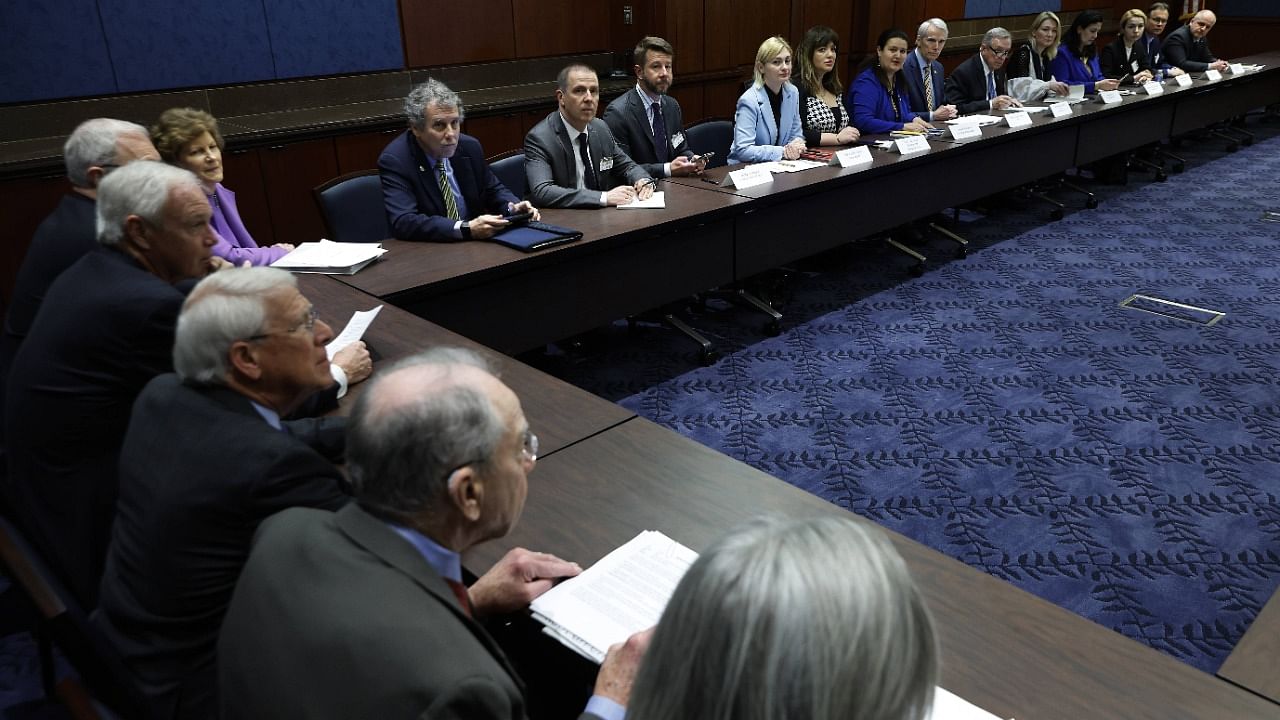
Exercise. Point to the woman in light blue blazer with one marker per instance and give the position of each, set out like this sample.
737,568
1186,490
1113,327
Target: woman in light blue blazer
766,125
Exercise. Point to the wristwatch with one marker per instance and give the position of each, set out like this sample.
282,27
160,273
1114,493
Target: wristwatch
466,230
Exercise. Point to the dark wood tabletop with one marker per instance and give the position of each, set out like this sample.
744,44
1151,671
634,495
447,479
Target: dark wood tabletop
558,412
1003,649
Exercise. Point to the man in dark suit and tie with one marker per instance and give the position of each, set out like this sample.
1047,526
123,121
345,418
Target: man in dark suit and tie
979,83
924,75
571,158
1188,47
362,613
1157,19
103,331
647,123
207,456
436,184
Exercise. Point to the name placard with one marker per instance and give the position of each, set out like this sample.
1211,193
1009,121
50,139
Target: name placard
913,144
749,176
1061,109
966,131
1236,68
1152,87
852,156
1110,97
1017,119
1212,75
1183,80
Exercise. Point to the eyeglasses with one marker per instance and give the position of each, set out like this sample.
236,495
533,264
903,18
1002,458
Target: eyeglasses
998,53
309,324
528,454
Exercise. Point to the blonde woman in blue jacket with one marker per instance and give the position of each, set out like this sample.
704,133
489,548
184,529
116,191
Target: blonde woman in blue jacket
766,124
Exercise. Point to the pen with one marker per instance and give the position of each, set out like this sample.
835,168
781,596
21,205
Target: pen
709,180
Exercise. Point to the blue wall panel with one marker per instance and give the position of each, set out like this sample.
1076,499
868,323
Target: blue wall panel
981,8
157,44
1248,8
327,37
52,49
994,8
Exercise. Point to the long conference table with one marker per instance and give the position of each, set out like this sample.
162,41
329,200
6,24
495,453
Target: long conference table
604,474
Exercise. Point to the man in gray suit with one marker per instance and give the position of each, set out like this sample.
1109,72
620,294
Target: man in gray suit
362,613
647,123
572,160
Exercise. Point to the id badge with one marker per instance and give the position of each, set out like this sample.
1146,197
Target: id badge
677,139
606,163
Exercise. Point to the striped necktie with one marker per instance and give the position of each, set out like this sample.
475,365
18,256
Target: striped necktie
446,190
927,76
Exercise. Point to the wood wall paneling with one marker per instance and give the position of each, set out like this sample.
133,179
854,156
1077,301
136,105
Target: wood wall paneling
690,99
835,14
720,97
291,172
680,22
243,170
437,32
24,204
496,133
1235,37
623,37
717,32
360,151
560,27
945,9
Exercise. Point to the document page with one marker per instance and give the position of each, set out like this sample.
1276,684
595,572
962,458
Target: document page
656,201
359,322
621,595
949,706
329,256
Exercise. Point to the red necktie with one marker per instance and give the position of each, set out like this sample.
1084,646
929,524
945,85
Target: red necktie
460,592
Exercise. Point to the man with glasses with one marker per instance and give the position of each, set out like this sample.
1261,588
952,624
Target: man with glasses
206,457
924,75
1157,20
979,84
365,609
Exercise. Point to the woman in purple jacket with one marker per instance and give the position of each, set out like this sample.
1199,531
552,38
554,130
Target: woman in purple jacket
189,139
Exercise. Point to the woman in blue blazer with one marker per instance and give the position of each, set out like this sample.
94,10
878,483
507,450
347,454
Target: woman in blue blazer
879,94
1077,60
766,125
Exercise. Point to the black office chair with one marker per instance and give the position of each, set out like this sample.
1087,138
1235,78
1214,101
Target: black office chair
711,135
62,621
509,167
352,209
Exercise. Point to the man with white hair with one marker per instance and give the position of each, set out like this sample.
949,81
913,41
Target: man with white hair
94,148
979,83
924,74
362,613
1188,47
104,329
205,459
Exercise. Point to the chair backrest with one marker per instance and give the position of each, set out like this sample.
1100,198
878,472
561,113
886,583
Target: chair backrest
352,208
66,623
714,135
509,167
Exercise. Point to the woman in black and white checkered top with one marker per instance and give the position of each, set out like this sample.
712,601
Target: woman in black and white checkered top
822,110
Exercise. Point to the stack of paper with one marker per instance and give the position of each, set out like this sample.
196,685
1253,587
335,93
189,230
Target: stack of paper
332,258
656,201
359,322
790,166
617,597
980,119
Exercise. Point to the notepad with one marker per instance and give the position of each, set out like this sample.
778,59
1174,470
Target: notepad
656,201
331,258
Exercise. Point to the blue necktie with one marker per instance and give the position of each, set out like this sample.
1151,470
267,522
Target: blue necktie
991,86
659,133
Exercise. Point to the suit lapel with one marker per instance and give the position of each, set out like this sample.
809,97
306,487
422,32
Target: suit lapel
467,183
374,536
642,119
766,111
426,175
557,125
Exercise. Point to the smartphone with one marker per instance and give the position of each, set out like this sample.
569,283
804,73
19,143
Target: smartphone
518,218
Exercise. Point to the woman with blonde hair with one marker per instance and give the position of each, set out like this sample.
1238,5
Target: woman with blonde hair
766,123
1032,58
1126,57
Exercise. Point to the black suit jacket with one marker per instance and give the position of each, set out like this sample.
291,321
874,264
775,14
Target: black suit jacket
411,191
1181,50
1114,65
337,616
627,117
967,86
552,172
199,470
104,330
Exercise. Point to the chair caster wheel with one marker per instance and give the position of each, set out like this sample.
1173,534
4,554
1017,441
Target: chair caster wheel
1179,167
707,358
1055,214
917,270
1091,203
1161,176
962,252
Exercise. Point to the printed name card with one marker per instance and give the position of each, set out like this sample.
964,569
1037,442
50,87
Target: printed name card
1017,119
913,144
1110,97
1151,87
1236,68
1183,80
1212,75
852,156
749,176
966,131
1061,109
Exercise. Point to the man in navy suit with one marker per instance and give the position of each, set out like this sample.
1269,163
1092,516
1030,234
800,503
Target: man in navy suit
647,123
436,184
924,73
979,84
103,331
1188,47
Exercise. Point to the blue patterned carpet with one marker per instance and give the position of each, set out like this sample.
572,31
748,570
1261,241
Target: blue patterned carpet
1004,410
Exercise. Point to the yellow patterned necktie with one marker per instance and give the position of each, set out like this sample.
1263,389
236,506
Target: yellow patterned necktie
450,203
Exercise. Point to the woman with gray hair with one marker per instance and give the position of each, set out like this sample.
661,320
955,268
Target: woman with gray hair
814,618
